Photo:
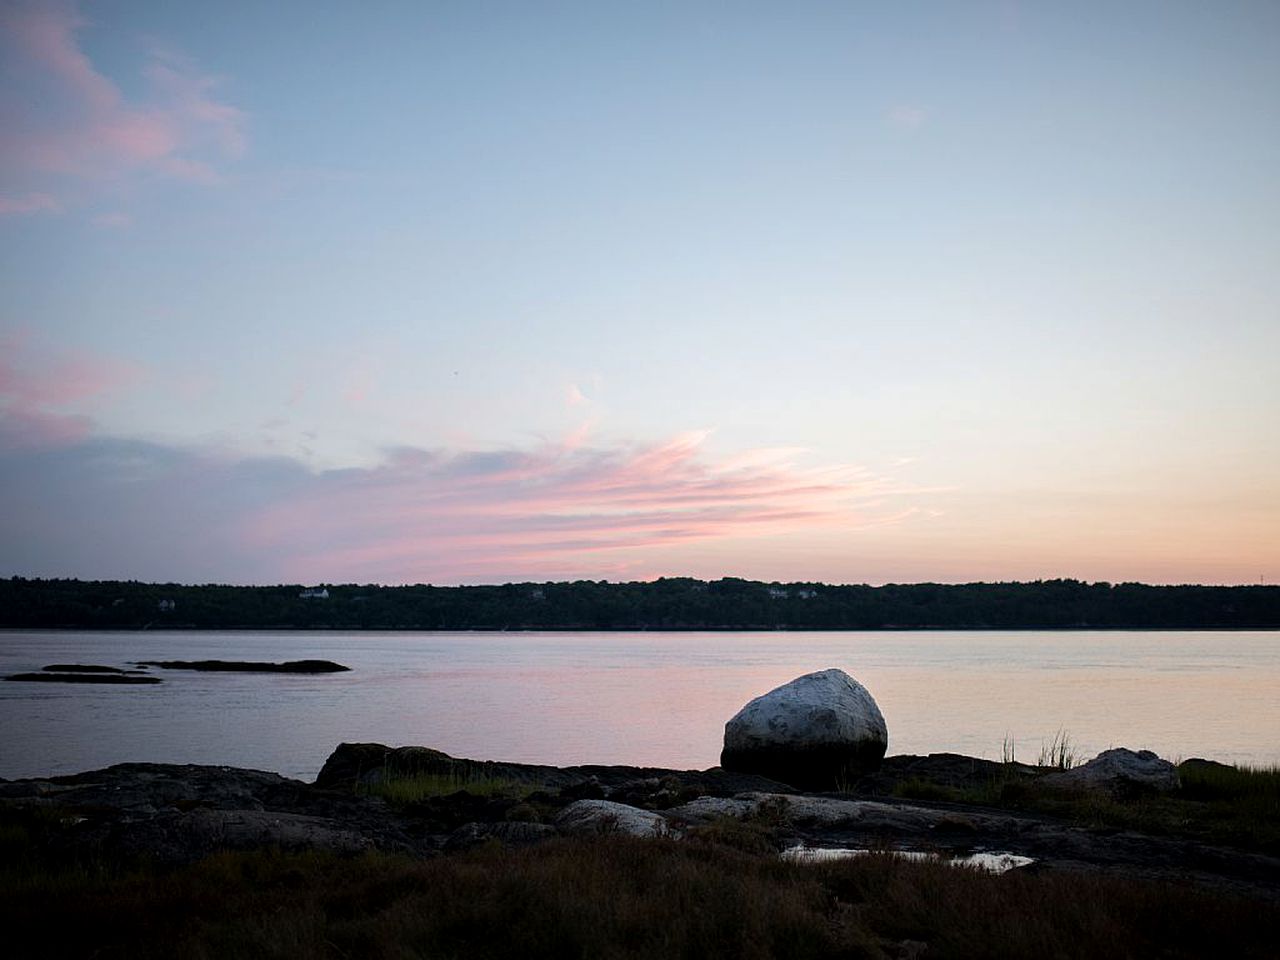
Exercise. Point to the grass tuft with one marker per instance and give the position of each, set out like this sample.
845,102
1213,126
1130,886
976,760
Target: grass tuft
1059,753
1008,750
401,789
411,788
916,788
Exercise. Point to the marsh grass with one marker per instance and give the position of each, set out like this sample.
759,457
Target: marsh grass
1216,803
918,788
1008,750
411,788
736,833
1205,780
607,898
1238,805
402,787
1059,753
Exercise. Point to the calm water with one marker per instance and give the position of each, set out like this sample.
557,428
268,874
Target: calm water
642,698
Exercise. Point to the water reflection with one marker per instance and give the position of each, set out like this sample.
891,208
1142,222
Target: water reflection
652,699
992,861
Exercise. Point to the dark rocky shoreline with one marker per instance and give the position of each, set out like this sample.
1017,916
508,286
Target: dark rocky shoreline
175,814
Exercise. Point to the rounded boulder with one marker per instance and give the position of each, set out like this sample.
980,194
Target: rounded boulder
817,732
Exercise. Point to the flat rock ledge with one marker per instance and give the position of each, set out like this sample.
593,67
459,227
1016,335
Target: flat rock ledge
607,817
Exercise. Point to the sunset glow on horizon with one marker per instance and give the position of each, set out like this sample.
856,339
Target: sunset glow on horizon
843,293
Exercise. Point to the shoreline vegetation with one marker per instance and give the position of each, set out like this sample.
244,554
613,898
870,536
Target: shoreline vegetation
399,852
674,603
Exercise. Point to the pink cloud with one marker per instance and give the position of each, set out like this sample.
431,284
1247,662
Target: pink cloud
359,383
426,515
39,387
26,427
29,203
577,438
64,379
193,96
68,121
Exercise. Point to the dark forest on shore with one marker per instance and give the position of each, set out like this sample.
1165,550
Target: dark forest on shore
677,603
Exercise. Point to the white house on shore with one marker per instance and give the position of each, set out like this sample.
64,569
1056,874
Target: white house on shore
315,593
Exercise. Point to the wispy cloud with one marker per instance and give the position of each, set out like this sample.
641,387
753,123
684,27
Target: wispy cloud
577,438
32,373
29,203
64,121
906,116
41,389
420,515
115,220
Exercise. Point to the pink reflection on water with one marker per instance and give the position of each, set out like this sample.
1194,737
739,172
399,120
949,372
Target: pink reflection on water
649,699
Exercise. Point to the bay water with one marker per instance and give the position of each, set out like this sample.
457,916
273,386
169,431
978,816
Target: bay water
644,698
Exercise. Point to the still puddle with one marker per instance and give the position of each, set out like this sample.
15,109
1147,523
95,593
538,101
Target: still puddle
993,861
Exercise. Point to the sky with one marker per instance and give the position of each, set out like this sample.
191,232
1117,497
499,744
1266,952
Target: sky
473,292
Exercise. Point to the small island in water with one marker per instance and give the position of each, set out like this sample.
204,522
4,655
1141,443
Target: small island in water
101,673
247,666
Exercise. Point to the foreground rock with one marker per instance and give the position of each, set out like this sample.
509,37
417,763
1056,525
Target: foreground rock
952,830
1119,771
179,813
819,731
355,765
175,813
608,817
947,770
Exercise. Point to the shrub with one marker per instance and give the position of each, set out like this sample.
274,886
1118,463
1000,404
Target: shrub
611,898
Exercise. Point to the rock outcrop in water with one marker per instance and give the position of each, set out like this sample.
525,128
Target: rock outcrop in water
104,678
97,673
248,666
83,673
816,732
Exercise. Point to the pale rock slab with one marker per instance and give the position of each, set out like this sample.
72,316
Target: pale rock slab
608,817
1119,769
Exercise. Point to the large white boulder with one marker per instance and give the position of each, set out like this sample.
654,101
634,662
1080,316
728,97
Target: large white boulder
817,732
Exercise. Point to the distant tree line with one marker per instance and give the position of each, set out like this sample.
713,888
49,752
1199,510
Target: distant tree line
674,603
